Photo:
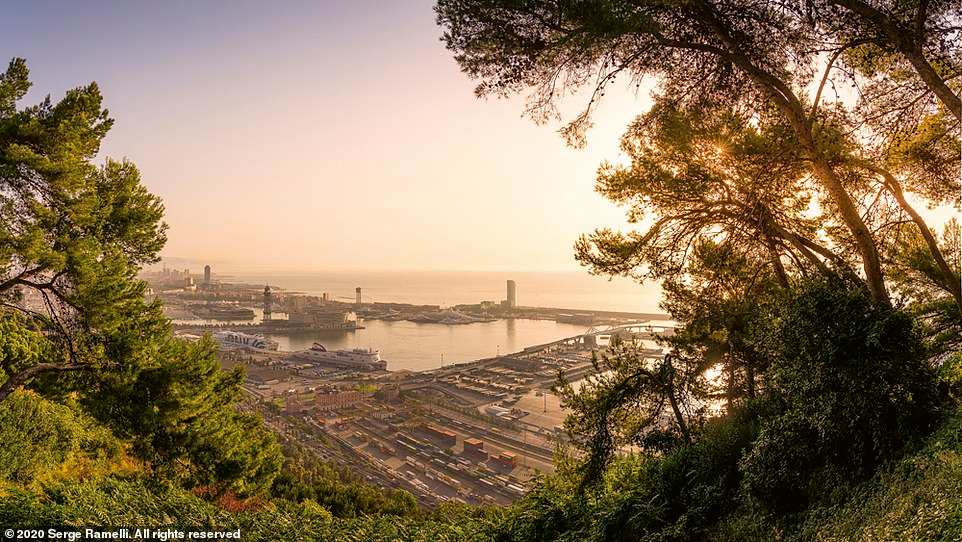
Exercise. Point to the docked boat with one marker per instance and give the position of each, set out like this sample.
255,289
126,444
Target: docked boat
358,359
449,317
235,339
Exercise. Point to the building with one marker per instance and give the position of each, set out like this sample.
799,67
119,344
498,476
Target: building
293,405
323,318
443,435
207,275
389,392
295,304
512,299
337,399
357,295
497,411
522,364
473,445
508,459
268,302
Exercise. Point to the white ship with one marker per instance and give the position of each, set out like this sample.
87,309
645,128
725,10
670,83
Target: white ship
234,339
359,359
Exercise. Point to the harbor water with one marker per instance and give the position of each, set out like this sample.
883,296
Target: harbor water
423,346
419,347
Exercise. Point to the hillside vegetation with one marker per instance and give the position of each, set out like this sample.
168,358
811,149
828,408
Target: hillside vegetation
88,480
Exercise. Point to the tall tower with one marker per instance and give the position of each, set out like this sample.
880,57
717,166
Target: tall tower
357,295
268,301
207,274
512,294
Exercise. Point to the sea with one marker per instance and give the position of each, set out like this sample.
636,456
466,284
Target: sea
569,290
423,346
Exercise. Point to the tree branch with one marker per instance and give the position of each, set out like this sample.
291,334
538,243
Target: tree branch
17,380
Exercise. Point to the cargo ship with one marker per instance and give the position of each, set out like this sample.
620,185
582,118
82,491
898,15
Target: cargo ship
234,339
359,359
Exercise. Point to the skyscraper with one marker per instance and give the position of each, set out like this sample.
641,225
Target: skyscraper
512,294
268,302
357,294
206,274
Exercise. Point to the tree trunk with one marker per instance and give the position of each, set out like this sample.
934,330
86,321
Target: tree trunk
871,261
908,43
952,280
679,418
777,266
935,83
730,396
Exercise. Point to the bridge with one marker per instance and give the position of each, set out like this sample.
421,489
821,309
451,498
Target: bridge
633,331
636,331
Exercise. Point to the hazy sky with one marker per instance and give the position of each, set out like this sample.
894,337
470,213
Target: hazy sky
321,134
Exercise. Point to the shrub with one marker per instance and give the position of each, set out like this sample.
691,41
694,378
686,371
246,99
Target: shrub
42,440
674,497
179,410
114,502
853,385
950,376
305,478
918,497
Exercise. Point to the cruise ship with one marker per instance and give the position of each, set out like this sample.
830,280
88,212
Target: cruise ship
234,339
359,359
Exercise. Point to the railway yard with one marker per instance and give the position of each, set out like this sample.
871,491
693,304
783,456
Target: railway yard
475,432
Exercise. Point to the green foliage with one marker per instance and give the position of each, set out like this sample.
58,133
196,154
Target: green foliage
628,396
719,304
180,412
72,234
853,387
950,376
916,274
917,498
642,498
762,64
716,358
824,383
927,156
844,387
549,47
138,501
697,176
682,493
306,479
21,345
60,467
554,509
41,440
926,289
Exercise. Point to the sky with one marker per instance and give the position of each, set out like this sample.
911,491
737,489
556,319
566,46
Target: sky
321,135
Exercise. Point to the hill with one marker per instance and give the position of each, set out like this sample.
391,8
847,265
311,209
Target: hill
74,472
